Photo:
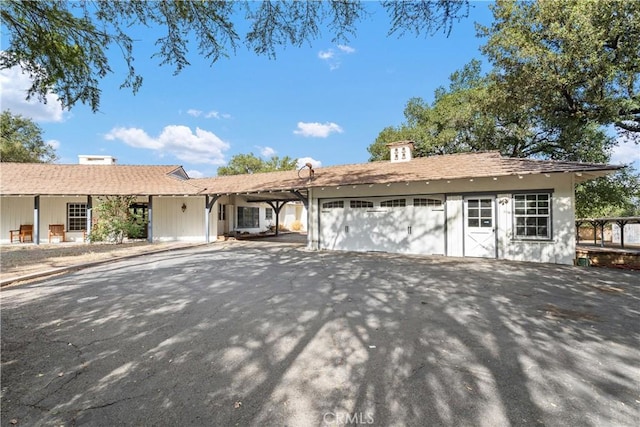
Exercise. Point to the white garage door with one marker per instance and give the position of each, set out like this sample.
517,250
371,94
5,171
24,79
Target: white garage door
398,225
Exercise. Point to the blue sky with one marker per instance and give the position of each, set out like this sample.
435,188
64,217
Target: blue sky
323,102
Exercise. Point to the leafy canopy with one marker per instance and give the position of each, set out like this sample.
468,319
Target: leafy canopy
62,45
249,163
562,73
576,59
21,141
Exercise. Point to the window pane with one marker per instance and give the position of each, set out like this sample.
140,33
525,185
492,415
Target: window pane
474,222
76,216
486,203
472,203
486,222
532,215
473,213
486,213
248,217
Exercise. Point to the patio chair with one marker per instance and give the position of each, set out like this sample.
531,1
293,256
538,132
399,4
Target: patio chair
25,233
56,230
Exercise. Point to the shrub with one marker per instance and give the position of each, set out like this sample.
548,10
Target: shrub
115,220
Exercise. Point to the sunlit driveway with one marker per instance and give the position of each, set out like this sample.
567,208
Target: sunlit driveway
257,333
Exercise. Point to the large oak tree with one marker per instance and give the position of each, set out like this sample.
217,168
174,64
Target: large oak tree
563,73
63,45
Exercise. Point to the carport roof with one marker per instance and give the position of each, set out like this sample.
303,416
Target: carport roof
52,179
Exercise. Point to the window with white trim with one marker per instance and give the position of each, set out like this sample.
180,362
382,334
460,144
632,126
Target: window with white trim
222,212
532,215
360,204
427,202
395,203
248,217
76,216
333,205
268,214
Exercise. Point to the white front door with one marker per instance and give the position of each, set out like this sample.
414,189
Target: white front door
480,227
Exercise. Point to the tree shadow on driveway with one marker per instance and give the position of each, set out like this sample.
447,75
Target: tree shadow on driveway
255,334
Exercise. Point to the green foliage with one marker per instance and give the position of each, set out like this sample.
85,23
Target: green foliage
562,72
574,59
62,45
115,220
613,195
250,163
21,141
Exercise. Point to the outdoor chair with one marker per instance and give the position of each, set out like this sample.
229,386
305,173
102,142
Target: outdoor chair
25,233
56,230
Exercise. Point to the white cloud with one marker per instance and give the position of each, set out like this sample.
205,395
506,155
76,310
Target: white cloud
195,174
346,49
333,58
13,87
317,130
304,160
208,115
326,54
625,152
54,143
266,151
199,147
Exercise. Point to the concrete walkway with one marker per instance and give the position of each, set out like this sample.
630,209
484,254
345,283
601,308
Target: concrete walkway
248,333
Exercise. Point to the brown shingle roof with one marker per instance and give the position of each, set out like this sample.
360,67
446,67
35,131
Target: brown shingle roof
452,166
50,179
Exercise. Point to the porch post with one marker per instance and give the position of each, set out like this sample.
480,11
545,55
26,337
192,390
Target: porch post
89,215
208,205
621,224
150,220
36,220
277,207
206,219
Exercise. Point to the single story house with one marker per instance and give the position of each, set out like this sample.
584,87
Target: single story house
472,205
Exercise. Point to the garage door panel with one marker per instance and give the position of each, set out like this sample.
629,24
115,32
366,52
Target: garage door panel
383,224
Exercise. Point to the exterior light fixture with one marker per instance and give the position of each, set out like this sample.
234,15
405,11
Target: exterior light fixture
184,207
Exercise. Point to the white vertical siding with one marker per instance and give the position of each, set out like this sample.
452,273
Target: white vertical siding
455,226
14,211
53,210
170,223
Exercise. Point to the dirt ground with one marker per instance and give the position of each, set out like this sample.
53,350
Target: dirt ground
24,259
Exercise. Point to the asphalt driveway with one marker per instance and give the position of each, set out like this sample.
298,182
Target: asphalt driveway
257,333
